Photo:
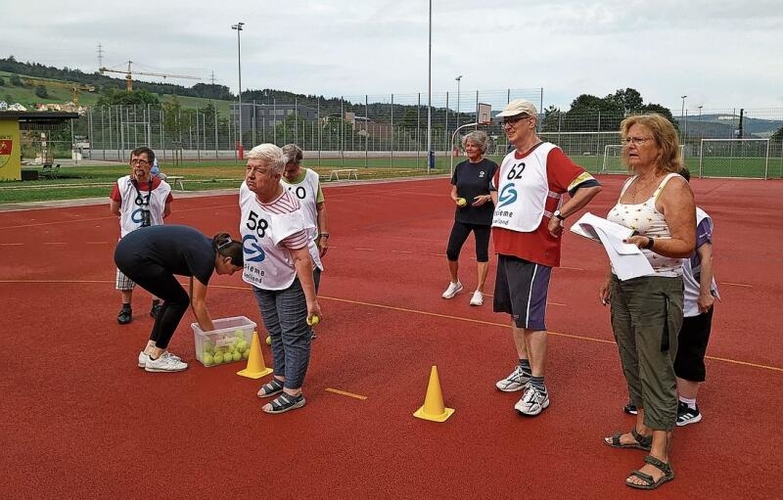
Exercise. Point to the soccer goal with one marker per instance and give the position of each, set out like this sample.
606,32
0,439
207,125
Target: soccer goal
613,162
734,158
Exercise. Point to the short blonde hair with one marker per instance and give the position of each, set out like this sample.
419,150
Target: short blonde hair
665,136
271,155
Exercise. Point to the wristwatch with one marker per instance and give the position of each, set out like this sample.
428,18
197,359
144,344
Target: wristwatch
558,215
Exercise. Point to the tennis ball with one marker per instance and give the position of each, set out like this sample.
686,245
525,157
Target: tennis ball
269,340
242,346
218,358
239,333
208,360
209,349
246,354
236,356
314,320
461,202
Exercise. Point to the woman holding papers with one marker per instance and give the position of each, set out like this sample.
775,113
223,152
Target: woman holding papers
647,311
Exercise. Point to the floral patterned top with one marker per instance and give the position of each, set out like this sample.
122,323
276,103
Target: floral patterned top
648,221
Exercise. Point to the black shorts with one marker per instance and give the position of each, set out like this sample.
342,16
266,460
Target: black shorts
693,338
521,289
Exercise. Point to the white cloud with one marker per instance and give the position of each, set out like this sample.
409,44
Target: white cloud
723,54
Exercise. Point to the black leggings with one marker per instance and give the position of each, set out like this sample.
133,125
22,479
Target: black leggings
460,233
161,283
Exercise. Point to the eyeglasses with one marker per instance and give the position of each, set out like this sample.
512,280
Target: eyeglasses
139,161
511,121
636,141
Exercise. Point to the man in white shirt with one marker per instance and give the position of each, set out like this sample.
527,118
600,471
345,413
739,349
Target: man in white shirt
304,184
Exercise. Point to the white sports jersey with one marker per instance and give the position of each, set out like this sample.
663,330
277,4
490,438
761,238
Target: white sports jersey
306,191
138,204
268,265
522,191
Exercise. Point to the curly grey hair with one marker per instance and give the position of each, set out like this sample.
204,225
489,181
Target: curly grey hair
477,137
293,153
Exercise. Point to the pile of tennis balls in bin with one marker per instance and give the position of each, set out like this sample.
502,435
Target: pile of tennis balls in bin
232,348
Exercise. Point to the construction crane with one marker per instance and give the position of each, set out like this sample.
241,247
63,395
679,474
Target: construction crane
129,75
73,87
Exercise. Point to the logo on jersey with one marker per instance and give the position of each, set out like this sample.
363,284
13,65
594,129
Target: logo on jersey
252,250
142,216
507,195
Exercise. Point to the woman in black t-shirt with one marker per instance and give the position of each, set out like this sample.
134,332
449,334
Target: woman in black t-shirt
470,192
152,256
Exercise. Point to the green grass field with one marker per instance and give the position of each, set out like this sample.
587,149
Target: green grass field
84,181
79,182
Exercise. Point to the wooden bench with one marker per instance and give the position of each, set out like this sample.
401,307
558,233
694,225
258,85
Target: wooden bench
176,179
49,172
346,172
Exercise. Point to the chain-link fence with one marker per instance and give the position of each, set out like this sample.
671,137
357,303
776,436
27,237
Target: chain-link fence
383,128
373,126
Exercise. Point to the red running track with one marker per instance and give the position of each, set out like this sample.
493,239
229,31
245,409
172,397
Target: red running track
80,420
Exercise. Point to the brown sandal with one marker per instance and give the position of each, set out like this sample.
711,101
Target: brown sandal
649,482
642,442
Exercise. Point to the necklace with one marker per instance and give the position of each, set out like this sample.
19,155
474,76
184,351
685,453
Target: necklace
642,185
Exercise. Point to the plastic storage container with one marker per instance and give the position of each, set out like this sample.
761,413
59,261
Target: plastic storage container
227,343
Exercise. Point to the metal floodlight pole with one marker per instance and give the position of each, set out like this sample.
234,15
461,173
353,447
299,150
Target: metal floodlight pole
701,130
430,158
459,78
238,28
682,117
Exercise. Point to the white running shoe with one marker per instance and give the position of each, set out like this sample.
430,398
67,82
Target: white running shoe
452,290
477,299
167,362
516,381
143,357
532,402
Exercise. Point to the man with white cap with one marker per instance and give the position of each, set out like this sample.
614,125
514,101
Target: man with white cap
527,227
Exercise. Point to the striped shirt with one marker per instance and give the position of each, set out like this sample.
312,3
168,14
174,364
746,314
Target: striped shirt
285,204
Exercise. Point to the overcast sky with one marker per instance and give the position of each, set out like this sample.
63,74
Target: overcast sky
721,54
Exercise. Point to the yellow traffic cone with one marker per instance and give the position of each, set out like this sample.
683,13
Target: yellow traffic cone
255,362
433,408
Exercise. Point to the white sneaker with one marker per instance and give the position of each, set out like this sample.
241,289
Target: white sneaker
532,402
143,357
452,290
516,381
167,362
477,299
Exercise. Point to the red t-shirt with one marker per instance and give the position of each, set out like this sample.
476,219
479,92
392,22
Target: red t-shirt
563,175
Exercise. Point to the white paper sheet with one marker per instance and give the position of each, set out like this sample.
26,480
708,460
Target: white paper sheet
627,260
586,225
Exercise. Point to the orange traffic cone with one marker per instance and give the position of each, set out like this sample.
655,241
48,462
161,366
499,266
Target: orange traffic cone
433,408
255,362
